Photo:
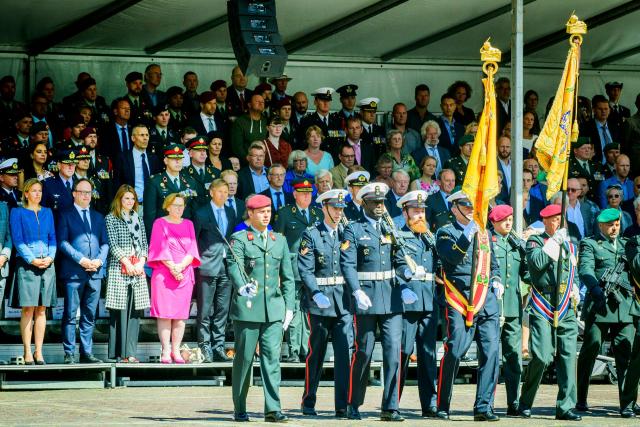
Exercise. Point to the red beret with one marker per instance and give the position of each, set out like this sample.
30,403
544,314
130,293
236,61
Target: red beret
262,87
500,212
207,96
217,85
281,103
550,210
87,131
258,201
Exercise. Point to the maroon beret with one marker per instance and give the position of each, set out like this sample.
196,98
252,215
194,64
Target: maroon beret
262,87
258,201
281,103
83,85
87,131
207,97
76,120
217,85
500,212
551,210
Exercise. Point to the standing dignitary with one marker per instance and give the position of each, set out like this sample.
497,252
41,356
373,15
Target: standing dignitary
542,261
509,251
326,303
9,192
6,246
56,191
261,308
454,244
199,171
214,224
415,266
367,249
607,307
291,221
83,244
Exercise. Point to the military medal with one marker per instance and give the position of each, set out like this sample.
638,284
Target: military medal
385,240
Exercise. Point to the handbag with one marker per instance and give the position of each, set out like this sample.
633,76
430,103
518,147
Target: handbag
134,260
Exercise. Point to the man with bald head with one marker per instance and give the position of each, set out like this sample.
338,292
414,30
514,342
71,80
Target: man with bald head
621,178
237,95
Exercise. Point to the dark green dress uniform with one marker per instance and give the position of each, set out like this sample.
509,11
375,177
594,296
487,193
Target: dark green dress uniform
202,176
458,166
604,316
543,280
592,171
291,222
259,320
629,394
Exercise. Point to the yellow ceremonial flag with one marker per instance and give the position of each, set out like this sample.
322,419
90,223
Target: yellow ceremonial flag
560,128
481,179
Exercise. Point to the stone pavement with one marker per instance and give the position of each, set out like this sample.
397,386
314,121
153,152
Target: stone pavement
213,406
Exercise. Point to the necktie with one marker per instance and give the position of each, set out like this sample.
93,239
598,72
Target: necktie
304,214
201,173
220,221
212,125
125,140
279,201
135,104
324,120
145,167
176,182
605,134
230,203
68,185
164,135
241,101
85,219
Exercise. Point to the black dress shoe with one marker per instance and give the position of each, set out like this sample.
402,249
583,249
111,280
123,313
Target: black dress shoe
486,416
275,417
391,416
241,417
341,413
308,411
512,411
524,412
582,407
432,412
636,409
353,413
291,359
569,416
69,359
220,356
443,415
89,358
627,413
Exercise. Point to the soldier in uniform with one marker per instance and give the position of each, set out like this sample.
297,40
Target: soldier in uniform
373,134
334,135
326,303
629,394
100,167
542,260
56,190
348,100
416,265
291,221
458,164
171,180
454,245
509,251
354,182
605,314
9,192
366,261
199,171
582,166
100,199
261,308
160,134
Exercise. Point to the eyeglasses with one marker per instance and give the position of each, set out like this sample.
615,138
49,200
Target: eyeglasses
613,196
277,175
573,190
84,193
346,156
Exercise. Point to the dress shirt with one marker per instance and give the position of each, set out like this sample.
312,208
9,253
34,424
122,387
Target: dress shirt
277,197
80,212
506,170
139,174
124,145
604,134
357,148
433,152
208,122
575,215
260,182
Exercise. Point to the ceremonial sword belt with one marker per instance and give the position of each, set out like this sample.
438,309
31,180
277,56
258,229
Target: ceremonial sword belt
328,281
376,275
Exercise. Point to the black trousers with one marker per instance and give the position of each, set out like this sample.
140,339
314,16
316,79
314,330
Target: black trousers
213,296
124,326
341,330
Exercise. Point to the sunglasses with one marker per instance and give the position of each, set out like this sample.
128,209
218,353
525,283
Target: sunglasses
573,190
613,196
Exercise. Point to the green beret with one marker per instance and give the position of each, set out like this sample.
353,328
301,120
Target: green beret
466,139
582,140
609,215
612,146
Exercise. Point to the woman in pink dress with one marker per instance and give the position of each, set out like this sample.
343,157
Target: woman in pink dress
173,254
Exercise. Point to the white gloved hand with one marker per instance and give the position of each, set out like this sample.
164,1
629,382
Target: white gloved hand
498,289
288,317
575,295
420,273
321,300
408,296
249,290
362,300
470,229
560,236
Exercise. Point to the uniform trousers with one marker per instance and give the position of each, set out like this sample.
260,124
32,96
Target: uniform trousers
391,334
542,354
298,331
84,294
485,331
124,326
213,296
247,336
341,330
629,393
421,328
511,337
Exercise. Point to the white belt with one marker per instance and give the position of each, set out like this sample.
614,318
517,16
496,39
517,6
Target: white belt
376,275
327,281
427,278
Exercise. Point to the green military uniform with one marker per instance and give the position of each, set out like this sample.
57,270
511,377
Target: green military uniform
292,223
458,166
158,187
604,315
259,320
510,253
629,393
542,269
201,176
592,171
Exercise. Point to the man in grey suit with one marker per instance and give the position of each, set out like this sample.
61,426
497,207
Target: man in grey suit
5,250
214,223
580,213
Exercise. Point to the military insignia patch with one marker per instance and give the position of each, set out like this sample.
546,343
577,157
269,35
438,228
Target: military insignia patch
304,251
345,245
366,251
249,236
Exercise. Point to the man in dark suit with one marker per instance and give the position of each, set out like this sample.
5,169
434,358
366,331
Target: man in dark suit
431,137
56,191
438,209
150,92
9,107
451,130
179,118
213,224
598,129
253,177
420,113
275,192
503,93
231,178
115,138
9,192
206,120
237,95
399,188
504,166
299,104
619,113
82,239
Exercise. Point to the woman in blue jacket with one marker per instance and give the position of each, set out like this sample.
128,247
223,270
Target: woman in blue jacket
34,287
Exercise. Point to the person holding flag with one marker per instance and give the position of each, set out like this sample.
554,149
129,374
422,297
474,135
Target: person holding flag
470,269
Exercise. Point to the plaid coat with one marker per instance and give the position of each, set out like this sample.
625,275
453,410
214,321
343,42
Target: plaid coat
121,245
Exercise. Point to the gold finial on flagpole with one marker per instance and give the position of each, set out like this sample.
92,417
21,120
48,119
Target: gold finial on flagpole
576,28
490,56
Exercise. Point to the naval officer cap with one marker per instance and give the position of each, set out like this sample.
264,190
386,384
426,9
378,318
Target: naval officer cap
335,198
323,93
358,179
9,167
459,198
413,199
373,191
347,90
369,104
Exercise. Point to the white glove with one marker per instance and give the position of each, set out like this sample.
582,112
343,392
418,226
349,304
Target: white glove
363,301
408,296
288,317
249,290
498,289
560,236
420,273
321,300
470,229
575,295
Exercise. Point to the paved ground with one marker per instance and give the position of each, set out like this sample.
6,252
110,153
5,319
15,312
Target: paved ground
212,405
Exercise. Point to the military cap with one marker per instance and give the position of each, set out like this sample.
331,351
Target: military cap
67,157
413,199
335,198
83,85
83,153
282,103
258,201
611,85
369,104
612,146
198,143
323,93
9,167
582,140
302,185
133,76
76,120
173,151
373,191
609,215
159,109
358,178
207,96
500,212
460,198
551,210
173,91
39,127
281,77
262,87
88,131
347,90
217,85
466,139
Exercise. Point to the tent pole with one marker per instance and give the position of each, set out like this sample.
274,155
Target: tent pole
517,105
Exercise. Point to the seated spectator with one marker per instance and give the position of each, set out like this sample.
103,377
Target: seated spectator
531,205
452,130
277,149
317,159
252,179
347,157
215,158
296,169
461,92
578,213
611,153
627,205
275,192
427,182
528,136
395,142
412,139
249,127
614,195
530,106
36,162
634,229
384,168
231,178
430,133
324,181
399,188
621,179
